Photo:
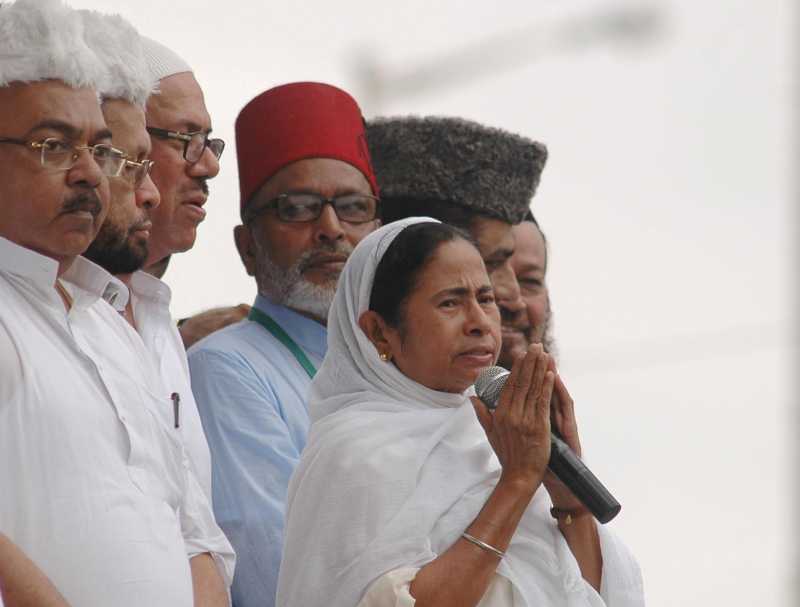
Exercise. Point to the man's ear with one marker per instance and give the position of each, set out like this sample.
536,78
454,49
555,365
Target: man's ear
376,330
244,244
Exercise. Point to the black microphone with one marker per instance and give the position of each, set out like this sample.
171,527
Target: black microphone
567,466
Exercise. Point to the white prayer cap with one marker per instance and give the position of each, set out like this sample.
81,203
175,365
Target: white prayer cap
161,61
43,40
119,46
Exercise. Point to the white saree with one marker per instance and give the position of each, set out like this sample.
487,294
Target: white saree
393,473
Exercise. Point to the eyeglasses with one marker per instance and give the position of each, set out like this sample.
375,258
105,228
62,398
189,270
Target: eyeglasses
62,155
194,144
135,172
303,207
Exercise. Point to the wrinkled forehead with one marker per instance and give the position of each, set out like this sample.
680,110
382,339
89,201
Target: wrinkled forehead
179,105
50,105
127,124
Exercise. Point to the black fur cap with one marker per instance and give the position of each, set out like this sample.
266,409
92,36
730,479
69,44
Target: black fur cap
488,170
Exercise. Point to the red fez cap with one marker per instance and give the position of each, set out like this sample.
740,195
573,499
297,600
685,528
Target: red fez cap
296,121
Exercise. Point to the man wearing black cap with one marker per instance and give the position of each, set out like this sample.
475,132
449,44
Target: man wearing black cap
475,177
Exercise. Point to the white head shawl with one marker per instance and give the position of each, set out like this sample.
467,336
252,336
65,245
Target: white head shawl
394,472
119,47
43,40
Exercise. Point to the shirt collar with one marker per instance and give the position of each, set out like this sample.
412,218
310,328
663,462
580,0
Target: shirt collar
93,282
307,333
39,269
147,286
96,283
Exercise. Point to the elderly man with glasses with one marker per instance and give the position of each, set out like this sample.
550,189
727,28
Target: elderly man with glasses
186,158
96,489
122,247
167,168
184,154
308,196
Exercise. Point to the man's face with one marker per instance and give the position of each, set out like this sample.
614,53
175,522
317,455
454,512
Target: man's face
121,246
178,107
529,264
298,264
496,244
54,212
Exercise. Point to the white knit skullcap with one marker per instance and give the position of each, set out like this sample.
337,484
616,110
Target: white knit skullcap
43,40
161,61
118,45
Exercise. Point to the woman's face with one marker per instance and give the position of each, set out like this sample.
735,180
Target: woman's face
451,324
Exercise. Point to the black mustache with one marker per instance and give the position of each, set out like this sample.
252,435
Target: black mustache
204,186
86,201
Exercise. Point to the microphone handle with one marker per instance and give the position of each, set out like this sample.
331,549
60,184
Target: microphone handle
571,471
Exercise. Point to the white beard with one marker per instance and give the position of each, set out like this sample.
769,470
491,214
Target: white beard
289,288
308,297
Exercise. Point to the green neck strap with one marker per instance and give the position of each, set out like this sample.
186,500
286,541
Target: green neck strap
282,336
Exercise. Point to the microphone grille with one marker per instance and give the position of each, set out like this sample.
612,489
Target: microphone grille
489,384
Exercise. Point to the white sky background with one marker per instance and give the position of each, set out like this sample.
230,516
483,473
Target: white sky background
668,204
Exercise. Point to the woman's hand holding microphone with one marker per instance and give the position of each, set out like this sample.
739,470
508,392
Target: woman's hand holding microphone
519,428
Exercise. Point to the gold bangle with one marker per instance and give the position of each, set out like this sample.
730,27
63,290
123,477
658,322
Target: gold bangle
568,516
483,545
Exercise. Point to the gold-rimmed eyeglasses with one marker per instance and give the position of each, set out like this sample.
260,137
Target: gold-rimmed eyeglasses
136,172
62,155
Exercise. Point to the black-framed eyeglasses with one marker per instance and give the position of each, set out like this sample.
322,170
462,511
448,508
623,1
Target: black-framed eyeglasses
135,172
194,144
303,207
62,155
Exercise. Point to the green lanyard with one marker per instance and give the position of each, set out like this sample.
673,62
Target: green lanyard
282,336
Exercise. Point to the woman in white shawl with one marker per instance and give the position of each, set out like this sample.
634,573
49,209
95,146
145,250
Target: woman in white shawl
409,491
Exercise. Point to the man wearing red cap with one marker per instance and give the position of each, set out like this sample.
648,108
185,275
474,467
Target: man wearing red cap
308,196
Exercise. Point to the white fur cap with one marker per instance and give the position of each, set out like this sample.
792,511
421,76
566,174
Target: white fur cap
43,40
161,61
118,45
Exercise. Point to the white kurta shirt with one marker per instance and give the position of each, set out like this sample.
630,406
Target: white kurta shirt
150,298
94,486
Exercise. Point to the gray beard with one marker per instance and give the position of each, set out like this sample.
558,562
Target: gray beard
548,341
287,287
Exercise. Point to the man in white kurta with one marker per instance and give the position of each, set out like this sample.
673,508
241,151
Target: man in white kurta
96,486
123,242
150,299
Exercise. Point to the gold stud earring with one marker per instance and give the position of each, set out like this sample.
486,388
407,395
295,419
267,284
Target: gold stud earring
384,357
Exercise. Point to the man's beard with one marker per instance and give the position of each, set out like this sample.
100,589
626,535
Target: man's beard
548,340
116,252
288,287
531,334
